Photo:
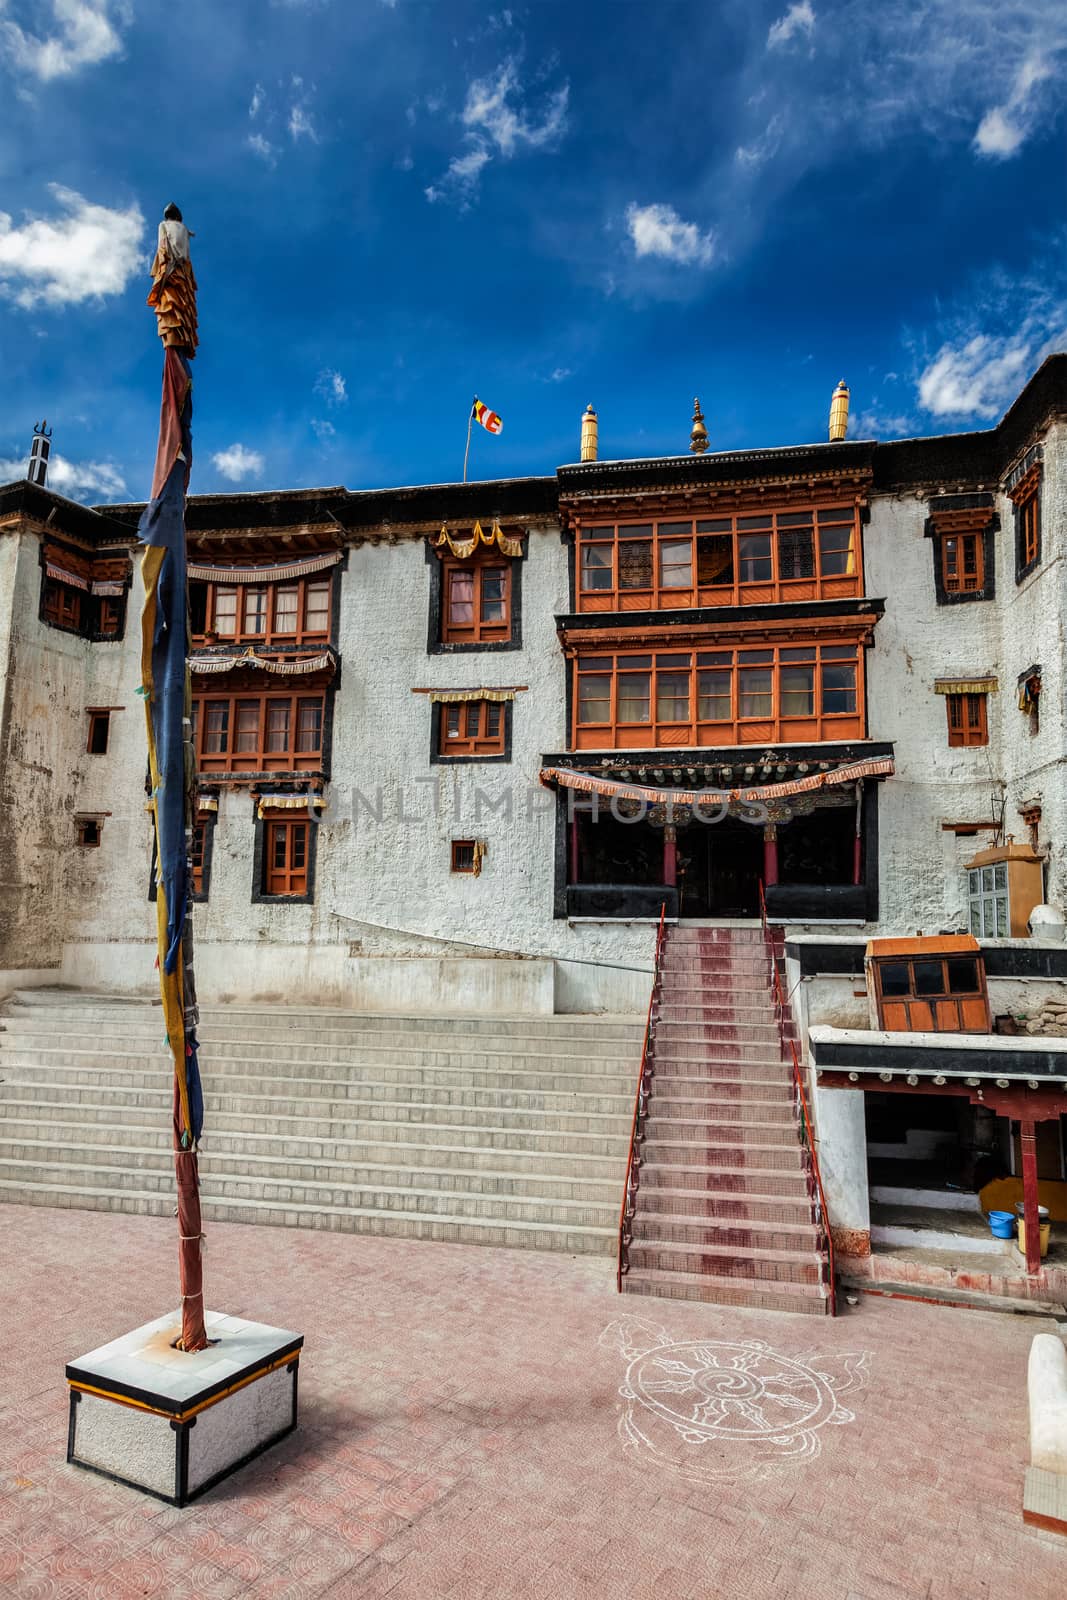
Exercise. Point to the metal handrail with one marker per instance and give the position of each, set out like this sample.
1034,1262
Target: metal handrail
644,1084
818,1197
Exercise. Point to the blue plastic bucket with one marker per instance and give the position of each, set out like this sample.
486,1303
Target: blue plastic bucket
1002,1224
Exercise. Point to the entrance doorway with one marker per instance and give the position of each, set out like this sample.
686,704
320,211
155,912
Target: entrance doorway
719,869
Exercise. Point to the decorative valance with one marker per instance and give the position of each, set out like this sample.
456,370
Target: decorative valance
116,589
271,574
965,686
465,548
283,669
61,575
1025,476
208,802
449,697
287,802
585,783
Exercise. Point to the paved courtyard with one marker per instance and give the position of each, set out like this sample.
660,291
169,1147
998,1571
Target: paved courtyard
480,1423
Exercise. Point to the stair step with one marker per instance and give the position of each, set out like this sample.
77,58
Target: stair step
725,1207
662,1152
772,1266
753,1292
720,1178
727,1233
706,1135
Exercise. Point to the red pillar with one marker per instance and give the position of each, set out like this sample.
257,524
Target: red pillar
770,854
1028,1140
670,856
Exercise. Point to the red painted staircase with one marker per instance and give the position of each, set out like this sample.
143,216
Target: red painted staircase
722,1209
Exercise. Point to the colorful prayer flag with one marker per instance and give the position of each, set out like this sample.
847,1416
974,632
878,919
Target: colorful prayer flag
488,419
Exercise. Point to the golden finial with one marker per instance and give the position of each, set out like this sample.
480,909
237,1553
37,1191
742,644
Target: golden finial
839,413
698,438
589,434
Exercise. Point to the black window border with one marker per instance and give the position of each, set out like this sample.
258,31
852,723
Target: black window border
435,645
965,502
439,759
1024,569
259,865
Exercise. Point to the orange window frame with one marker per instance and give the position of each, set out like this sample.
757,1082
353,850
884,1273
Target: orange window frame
286,852
731,695
62,604
473,728
968,720
738,559
197,853
320,586
962,562
1029,528
481,571
464,856
254,720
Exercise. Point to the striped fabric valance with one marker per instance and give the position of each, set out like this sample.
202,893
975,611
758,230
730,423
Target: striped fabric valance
965,686
61,575
272,574
109,588
288,802
852,772
451,697
283,669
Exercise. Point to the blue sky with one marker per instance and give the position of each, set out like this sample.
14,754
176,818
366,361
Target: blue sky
398,204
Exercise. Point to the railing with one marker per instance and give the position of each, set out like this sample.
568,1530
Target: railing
637,1127
783,1013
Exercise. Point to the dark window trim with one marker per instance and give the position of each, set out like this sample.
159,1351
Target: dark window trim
438,757
1023,568
434,644
259,895
953,597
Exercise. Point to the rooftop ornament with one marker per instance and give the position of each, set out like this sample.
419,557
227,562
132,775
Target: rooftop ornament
698,437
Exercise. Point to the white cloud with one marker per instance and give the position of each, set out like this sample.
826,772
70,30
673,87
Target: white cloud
262,148
498,122
559,374
331,385
764,147
77,480
257,102
238,462
875,424
800,18
84,253
322,429
974,379
1004,129
83,35
658,230
301,125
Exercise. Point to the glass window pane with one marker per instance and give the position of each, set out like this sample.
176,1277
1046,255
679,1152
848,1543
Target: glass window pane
494,711
838,688
474,718
279,841
798,691
754,556
317,607
594,698
929,977
1002,917
751,657
755,691
299,842
796,552
635,564
714,690
672,697
1000,875
217,728
255,611
896,977
634,697
278,726
226,611
285,609
974,882
716,525
596,567
676,565
838,652
676,658
635,530
452,721
836,555
246,726
494,581
976,917
987,879
308,725
715,559
962,975
461,598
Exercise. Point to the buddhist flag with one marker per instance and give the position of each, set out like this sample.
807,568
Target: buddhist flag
488,419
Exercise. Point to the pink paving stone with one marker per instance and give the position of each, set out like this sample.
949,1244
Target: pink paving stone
460,1437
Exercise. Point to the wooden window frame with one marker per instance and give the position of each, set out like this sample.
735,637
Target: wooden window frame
776,726
459,861
477,632
260,759
292,880
958,545
479,744
780,526
61,605
98,717
270,635
967,716
1028,531
82,825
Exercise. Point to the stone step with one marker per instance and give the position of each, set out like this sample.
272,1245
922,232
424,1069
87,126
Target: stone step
728,1233
704,1135
668,1043
725,1207
355,1090
341,1219
71,1054
499,1131
714,1029
671,1108
441,1154
810,1299
723,1157
157,1157
713,1064
721,1089
767,1264
764,1181
221,1186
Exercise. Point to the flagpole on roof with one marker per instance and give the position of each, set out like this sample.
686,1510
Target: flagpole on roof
470,424
168,711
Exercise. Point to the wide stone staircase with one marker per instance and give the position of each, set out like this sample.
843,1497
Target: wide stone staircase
723,1212
505,1131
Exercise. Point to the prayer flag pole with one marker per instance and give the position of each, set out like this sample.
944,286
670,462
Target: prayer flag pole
172,768
470,424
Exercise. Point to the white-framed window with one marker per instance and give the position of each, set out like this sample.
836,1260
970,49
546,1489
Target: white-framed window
987,895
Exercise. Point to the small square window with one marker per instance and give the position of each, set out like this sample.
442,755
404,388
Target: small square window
88,831
967,721
465,856
99,730
473,728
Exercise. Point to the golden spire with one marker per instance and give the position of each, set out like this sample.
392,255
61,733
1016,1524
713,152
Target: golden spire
589,434
698,438
839,413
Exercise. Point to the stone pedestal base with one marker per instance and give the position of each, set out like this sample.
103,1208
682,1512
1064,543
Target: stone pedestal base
1045,1500
174,1424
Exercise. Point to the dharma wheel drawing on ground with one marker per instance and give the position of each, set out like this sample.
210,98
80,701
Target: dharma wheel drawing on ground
707,1409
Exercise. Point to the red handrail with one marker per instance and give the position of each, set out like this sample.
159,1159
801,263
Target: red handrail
783,1014
632,1182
